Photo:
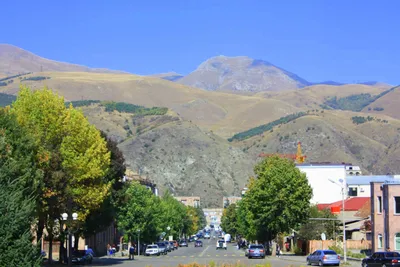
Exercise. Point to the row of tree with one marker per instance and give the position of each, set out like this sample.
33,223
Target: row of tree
277,201
53,161
156,218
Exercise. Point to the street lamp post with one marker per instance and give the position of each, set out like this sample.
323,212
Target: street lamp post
65,218
138,251
168,228
342,186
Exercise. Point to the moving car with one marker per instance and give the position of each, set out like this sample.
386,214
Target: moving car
183,243
152,250
198,243
81,257
255,251
207,236
221,244
324,257
382,259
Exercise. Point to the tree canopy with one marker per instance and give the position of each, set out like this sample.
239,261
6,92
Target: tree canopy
277,201
19,178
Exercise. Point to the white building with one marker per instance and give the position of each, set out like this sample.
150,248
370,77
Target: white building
360,186
320,175
353,170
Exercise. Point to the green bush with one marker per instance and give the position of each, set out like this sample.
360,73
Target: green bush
131,108
35,78
266,127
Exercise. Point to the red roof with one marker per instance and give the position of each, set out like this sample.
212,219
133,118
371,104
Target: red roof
350,204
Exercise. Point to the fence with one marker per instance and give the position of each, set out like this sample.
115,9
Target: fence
350,244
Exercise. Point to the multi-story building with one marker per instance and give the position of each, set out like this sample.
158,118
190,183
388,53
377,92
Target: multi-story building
385,215
213,216
360,186
226,201
190,201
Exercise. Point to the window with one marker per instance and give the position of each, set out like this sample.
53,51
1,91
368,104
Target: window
353,192
379,208
397,241
396,205
380,241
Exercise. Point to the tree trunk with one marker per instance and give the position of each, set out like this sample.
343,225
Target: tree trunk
76,241
40,228
50,247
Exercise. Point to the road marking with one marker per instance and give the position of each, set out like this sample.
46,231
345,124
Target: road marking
208,255
192,256
225,255
175,256
183,256
216,255
204,251
233,255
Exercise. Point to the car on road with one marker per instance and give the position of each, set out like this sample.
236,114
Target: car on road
183,243
176,244
382,259
255,251
207,236
172,245
152,250
324,257
191,239
198,243
81,257
162,248
169,247
221,244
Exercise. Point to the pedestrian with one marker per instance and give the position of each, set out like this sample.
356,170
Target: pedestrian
278,250
108,250
132,252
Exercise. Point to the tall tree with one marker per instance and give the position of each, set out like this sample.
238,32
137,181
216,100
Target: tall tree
141,211
173,215
71,154
19,178
277,200
229,222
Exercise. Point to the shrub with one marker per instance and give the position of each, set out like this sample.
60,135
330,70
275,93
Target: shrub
378,109
35,78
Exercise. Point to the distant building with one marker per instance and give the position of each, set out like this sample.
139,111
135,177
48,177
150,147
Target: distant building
385,215
190,201
143,180
360,186
226,201
213,216
320,175
353,170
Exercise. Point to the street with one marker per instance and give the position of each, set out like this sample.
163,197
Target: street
201,255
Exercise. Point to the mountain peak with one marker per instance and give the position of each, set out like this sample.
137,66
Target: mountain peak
242,73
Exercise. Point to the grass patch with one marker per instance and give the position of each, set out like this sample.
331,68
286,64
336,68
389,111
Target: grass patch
135,109
266,127
353,102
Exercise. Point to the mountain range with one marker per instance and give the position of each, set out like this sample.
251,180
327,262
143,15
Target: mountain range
220,118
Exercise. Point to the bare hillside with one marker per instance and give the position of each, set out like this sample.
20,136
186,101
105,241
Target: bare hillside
177,154
14,60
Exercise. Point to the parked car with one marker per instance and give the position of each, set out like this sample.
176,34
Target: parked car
255,251
172,245
221,244
323,257
198,243
183,243
176,244
169,247
382,259
162,248
191,239
152,250
81,257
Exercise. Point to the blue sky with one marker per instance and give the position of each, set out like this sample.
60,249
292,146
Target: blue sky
341,40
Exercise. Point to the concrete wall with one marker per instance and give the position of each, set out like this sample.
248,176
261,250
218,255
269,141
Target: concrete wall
318,176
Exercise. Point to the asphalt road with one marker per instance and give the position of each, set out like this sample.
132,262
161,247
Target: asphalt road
201,255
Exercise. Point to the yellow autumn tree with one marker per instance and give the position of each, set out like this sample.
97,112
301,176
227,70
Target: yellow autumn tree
72,155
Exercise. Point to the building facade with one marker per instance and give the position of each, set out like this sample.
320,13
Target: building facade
360,186
213,216
189,201
385,215
226,201
321,177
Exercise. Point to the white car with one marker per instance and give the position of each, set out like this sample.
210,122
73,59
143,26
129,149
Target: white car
207,236
152,250
221,244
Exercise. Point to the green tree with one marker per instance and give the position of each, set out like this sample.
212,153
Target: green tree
71,153
141,211
312,230
202,218
276,201
18,181
173,215
229,222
